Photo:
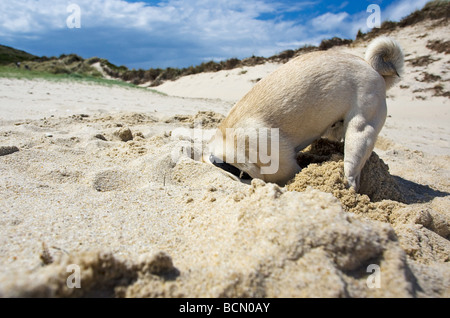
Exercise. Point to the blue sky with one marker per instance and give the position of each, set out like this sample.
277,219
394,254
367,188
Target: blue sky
144,34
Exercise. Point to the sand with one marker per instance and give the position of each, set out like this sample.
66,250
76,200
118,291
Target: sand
230,85
100,177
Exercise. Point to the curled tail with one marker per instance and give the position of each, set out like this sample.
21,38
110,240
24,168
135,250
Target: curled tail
386,57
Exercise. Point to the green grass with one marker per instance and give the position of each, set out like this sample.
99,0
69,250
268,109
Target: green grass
11,55
21,73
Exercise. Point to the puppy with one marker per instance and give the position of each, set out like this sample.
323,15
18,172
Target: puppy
316,94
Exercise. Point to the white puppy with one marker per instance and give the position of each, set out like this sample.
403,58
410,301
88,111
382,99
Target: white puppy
320,93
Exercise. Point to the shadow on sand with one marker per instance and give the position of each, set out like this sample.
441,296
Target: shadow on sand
417,193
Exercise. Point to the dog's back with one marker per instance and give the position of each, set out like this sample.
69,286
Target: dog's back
306,95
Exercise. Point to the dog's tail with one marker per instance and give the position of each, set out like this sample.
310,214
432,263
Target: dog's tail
386,56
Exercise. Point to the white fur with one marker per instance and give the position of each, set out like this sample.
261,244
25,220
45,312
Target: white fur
307,96
386,57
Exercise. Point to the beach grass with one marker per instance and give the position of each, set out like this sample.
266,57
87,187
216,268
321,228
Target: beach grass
22,73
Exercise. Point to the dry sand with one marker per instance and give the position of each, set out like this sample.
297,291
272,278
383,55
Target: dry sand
228,85
95,176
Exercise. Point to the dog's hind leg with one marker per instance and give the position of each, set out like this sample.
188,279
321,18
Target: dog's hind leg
360,137
359,142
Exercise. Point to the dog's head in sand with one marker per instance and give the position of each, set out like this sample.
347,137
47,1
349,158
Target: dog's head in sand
336,95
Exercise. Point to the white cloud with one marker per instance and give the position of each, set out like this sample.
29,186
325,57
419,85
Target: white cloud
197,16
345,25
329,21
175,31
400,9
31,16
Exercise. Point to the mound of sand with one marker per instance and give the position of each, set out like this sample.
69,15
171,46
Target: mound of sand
323,169
140,219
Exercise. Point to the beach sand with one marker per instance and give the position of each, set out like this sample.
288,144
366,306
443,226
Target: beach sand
98,176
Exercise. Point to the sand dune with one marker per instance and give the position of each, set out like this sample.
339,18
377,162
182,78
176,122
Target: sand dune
97,176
